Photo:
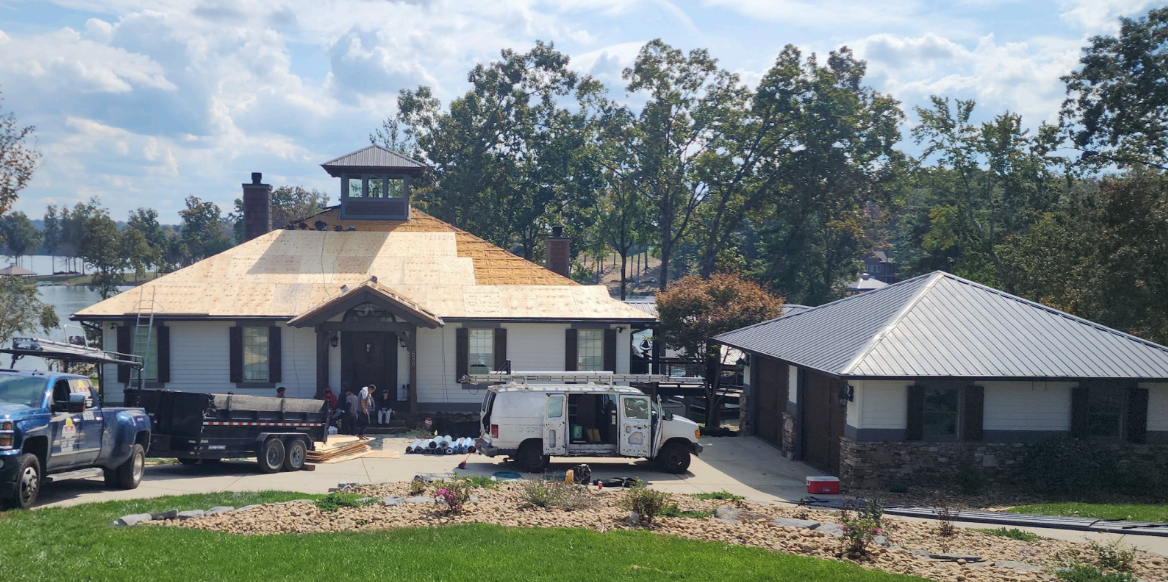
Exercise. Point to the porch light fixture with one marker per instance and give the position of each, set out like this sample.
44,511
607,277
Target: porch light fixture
333,341
401,340
846,395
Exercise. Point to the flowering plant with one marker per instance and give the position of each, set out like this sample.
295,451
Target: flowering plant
451,496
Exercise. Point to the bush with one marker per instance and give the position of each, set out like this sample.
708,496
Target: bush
1113,556
1092,574
338,499
417,487
566,496
675,511
946,516
717,496
646,503
451,495
1012,533
860,527
477,481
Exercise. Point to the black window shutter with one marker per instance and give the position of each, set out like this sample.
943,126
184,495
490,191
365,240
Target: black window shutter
462,353
1079,405
973,414
275,353
235,353
500,348
610,350
163,365
915,427
570,350
1137,414
123,348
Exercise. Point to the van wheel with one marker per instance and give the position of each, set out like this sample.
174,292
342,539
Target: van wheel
297,453
530,457
129,474
673,458
271,457
23,492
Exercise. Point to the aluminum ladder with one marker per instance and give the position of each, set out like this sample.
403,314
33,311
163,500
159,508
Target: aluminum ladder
143,333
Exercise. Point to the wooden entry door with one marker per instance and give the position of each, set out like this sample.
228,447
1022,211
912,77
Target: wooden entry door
823,421
369,357
771,398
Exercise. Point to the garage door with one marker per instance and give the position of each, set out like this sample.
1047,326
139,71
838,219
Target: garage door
771,395
823,421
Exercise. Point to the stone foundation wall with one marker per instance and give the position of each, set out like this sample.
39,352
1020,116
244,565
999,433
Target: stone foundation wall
790,436
745,408
877,465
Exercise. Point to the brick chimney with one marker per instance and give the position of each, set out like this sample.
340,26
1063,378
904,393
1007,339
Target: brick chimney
257,207
558,253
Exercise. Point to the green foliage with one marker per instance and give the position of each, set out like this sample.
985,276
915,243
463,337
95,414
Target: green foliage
674,511
288,204
1012,533
417,486
18,159
477,481
859,529
645,502
338,499
21,309
451,496
718,496
1156,513
1082,573
1113,556
101,247
202,230
19,235
548,493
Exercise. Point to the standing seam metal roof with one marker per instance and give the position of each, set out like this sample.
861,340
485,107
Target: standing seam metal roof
940,325
374,156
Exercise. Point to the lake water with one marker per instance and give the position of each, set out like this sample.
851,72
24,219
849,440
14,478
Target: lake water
67,301
42,264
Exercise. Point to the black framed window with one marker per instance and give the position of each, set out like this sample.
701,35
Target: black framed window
940,414
1105,413
480,351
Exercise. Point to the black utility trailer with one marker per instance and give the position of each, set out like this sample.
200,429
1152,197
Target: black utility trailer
195,427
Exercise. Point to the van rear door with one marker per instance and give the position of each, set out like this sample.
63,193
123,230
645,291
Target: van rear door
555,426
635,435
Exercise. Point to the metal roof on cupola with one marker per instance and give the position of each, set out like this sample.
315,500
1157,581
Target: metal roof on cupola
374,159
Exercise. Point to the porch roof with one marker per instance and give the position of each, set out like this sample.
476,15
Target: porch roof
369,292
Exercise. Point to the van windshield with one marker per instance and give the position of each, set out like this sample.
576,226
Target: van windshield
24,390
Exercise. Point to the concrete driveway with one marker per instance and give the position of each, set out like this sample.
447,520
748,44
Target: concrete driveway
744,466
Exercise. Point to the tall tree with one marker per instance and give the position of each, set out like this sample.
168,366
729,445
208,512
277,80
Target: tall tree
101,248
288,204
202,229
18,158
20,236
52,232
1117,101
21,309
145,221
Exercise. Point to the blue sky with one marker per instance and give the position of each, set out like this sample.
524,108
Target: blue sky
142,103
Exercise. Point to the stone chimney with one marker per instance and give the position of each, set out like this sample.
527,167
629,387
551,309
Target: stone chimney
257,207
558,253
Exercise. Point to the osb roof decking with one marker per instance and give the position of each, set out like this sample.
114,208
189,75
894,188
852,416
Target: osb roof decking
446,271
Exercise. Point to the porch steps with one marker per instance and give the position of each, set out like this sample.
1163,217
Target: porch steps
395,426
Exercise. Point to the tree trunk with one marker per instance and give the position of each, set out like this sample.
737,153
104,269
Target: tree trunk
623,260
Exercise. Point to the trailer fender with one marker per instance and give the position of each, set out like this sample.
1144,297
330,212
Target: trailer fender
283,436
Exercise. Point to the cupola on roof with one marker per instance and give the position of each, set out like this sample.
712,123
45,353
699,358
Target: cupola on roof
374,159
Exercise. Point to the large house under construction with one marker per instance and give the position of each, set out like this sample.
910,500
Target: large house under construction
371,291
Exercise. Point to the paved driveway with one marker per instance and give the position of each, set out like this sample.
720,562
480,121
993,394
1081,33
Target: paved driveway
745,466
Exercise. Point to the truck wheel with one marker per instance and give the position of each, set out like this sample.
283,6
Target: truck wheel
530,457
297,453
129,474
271,457
673,458
22,493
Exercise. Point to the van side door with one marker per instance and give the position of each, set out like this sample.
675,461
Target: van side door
635,436
555,426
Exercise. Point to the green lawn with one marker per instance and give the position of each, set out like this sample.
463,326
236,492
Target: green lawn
77,543
1147,512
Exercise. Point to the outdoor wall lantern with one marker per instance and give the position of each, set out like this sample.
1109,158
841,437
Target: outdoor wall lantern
401,340
334,340
846,395
620,329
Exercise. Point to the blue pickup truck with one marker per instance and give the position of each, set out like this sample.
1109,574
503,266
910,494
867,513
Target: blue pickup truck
53,424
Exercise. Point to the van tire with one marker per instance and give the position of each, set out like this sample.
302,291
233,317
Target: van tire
530,457
673,458
271,457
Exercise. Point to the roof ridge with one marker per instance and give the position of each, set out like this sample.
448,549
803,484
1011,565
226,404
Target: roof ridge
895,320
1054,311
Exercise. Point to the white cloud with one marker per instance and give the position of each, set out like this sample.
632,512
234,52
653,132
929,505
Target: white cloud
1100,16
65,61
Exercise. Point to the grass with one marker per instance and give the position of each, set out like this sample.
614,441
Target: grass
479,481
338,499
718,496
1129,512
76,543
1012,533
675,511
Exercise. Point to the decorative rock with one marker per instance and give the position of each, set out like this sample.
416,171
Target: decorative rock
797,523
344,486
1023,566
192,514
219,509
247,508
172,514
728,514
368,500
831,529
472,499
132,519
392,500
419,499
959,558
881,541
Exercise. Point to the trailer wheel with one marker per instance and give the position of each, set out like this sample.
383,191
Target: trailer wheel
530,457
297,453
22,493
271,457
129,474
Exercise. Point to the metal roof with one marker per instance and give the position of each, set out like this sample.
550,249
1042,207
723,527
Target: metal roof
940,325
866,282
372,157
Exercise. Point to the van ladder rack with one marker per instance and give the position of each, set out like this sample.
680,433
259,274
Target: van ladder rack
605,378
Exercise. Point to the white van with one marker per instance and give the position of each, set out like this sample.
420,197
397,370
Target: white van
533,422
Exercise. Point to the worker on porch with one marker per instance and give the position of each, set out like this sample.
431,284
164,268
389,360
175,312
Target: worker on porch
383,401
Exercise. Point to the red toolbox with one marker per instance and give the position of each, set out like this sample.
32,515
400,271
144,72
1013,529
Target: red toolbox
823,484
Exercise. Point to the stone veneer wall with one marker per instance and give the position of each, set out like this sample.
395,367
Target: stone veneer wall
877,465
789,436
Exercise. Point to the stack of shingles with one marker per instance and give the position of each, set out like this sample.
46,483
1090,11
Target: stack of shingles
339,449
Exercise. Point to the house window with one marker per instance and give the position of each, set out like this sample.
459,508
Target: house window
150,354
939,417
376,186
255,354
354,187
1104,413
481,351
590,350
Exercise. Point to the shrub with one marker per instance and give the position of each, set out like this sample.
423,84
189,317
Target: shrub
1113,556
417,487
477,481
645,502
1012,533
338,499
1092,574
859,530
946,515
566,496
675,511
451,495
717,496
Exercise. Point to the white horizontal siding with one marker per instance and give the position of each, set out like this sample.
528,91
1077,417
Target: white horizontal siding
538,346
882,404
298,362
1157,405
200,358
1027,406
436,362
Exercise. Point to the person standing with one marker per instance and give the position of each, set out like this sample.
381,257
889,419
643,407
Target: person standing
384,403
364,408
352,413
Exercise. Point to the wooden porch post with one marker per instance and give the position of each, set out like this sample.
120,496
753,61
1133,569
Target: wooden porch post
412,346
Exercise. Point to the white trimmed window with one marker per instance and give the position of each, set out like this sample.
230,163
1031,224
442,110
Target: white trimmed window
481,351
590,350
255,354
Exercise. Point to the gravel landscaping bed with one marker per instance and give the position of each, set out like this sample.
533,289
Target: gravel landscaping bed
912,548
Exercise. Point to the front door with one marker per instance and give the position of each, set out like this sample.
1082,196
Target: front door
369,357
635,435
555,427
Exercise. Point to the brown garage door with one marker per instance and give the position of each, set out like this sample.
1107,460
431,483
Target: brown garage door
771,395
823,421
